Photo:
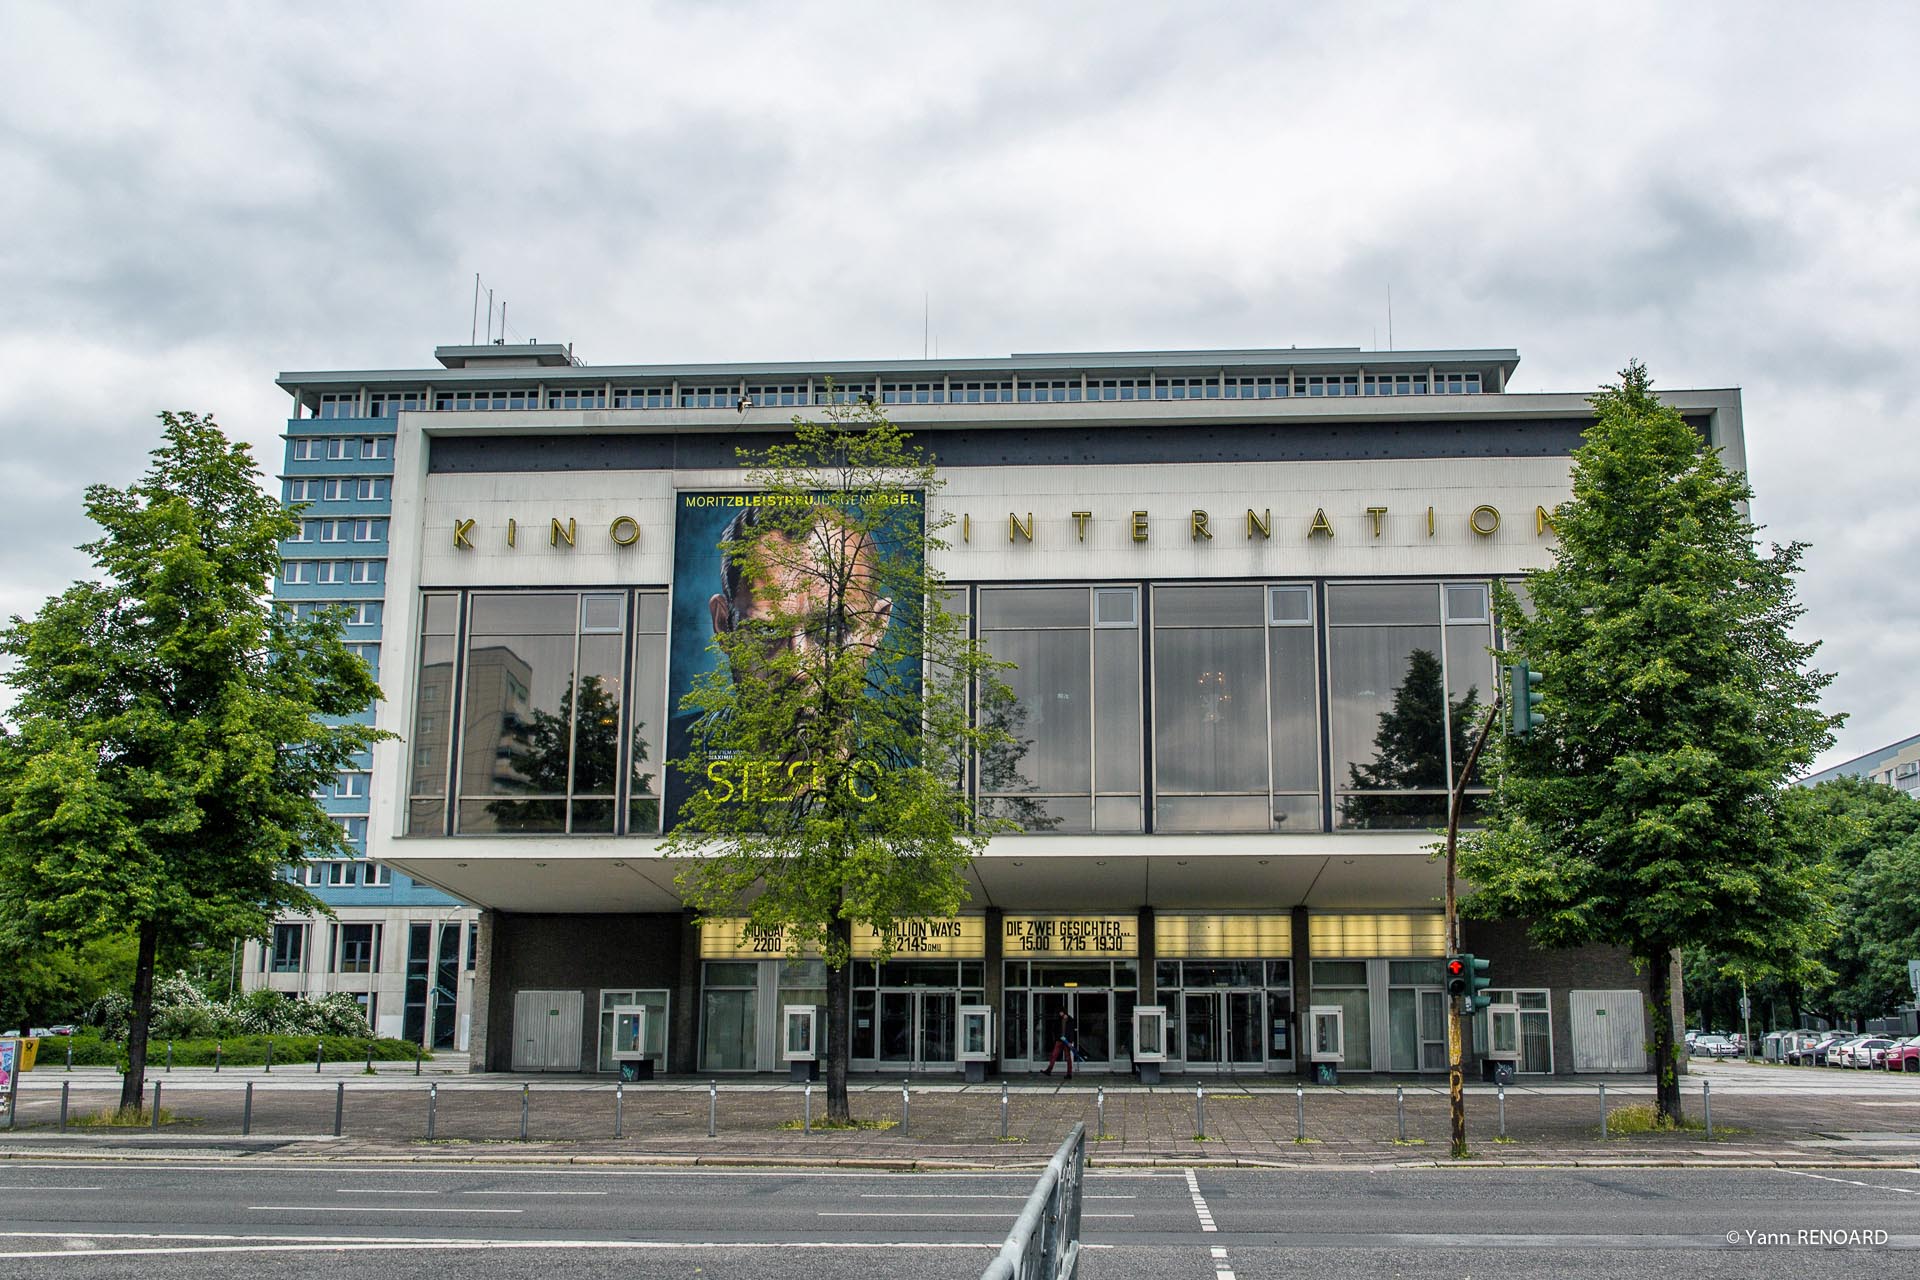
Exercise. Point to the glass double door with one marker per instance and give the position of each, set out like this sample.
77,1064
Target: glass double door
1224,1028
1092,1013
1416,1029
918,1028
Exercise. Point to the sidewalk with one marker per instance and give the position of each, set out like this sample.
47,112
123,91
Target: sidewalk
944,1123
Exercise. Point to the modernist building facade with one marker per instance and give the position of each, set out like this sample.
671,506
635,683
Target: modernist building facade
1895,765
1248,598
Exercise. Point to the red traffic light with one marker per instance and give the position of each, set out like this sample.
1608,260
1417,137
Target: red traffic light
1456,967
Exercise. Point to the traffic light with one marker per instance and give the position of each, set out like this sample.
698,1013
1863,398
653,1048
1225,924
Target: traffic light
1467,982
1523,696
1458,970
1479,978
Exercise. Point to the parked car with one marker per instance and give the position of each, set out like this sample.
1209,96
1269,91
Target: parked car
1713,1047
1817,1054
1866,1053
1841,1054
1904,1055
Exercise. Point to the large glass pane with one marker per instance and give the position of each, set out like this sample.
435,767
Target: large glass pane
1295,708
1359,1023
1210,710
937,1026
1377,604
1202,1027
896,1026
1536,1041
432,709
1469,685
594,701
1052,720
1245,1028
516,738
1403,1030
1388,723
1018,607
1116,694
649,726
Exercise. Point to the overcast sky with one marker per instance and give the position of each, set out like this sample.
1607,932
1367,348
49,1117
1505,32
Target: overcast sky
194,198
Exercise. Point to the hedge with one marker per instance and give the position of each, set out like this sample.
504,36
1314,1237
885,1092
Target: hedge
235,1051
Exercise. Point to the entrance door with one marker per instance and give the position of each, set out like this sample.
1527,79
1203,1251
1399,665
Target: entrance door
918,1029
1224,1028
1092,1012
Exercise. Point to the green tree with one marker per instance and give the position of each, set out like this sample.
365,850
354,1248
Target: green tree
46,982
831,743
170,725
1649,811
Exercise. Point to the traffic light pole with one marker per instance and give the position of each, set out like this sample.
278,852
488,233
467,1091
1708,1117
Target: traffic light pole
1456,1080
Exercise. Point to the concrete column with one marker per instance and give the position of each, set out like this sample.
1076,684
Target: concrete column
996,974
480,1017
683,1033
1149,952
1302,991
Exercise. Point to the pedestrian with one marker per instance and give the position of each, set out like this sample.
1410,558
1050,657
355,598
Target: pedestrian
1066,1036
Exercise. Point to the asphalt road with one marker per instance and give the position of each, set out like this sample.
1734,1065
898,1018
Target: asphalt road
245,1218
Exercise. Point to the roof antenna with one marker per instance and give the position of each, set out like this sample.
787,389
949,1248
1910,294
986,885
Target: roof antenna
474,336
1389,317
926,323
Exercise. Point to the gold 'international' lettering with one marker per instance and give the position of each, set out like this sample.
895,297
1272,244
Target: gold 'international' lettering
1080,519
513,527
1484,520
1197,524
1014,526
1139,526
1262,523
558,532
1543,521
1320,523
1376,513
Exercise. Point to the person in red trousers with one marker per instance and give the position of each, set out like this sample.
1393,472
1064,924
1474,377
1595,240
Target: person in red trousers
1064,1043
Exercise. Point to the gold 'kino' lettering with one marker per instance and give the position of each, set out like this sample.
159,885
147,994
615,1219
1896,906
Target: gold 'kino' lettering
771,781
1484,520
461,531
625,531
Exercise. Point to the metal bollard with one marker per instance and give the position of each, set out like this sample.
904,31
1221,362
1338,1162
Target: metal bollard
1400,1109
1199,1111
246,1112
906,1112
1003,1110
1603,1111
416,1059
806,1115
156,1104
319,1055
525,1093
339,1106
269,1053
713,1107
433,1107
1501,1090
169,1057
1299,1113
1100,1108
64,1086
369,1057
619,1105
1706,1100
216,1057
69,1055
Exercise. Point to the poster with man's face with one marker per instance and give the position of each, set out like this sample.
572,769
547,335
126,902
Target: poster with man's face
714,593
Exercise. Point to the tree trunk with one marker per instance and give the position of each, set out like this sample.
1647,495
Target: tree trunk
134,1087
1793,1004
839,1042
1666,1055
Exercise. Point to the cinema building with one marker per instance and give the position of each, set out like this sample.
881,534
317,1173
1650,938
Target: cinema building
1248,596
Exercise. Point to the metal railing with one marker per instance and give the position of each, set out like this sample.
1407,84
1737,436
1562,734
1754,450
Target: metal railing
1045,1241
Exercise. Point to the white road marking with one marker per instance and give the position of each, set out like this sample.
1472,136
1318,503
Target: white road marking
533,1193
380,1191
1221,1269
1199,1202
360,1244
367,1208
677,1171
926,1213
44,1187
1871,1186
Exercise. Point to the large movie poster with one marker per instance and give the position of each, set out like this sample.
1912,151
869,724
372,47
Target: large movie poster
707,596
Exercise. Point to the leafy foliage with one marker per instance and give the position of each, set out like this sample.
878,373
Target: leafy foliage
838,723
170,726
1649,811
